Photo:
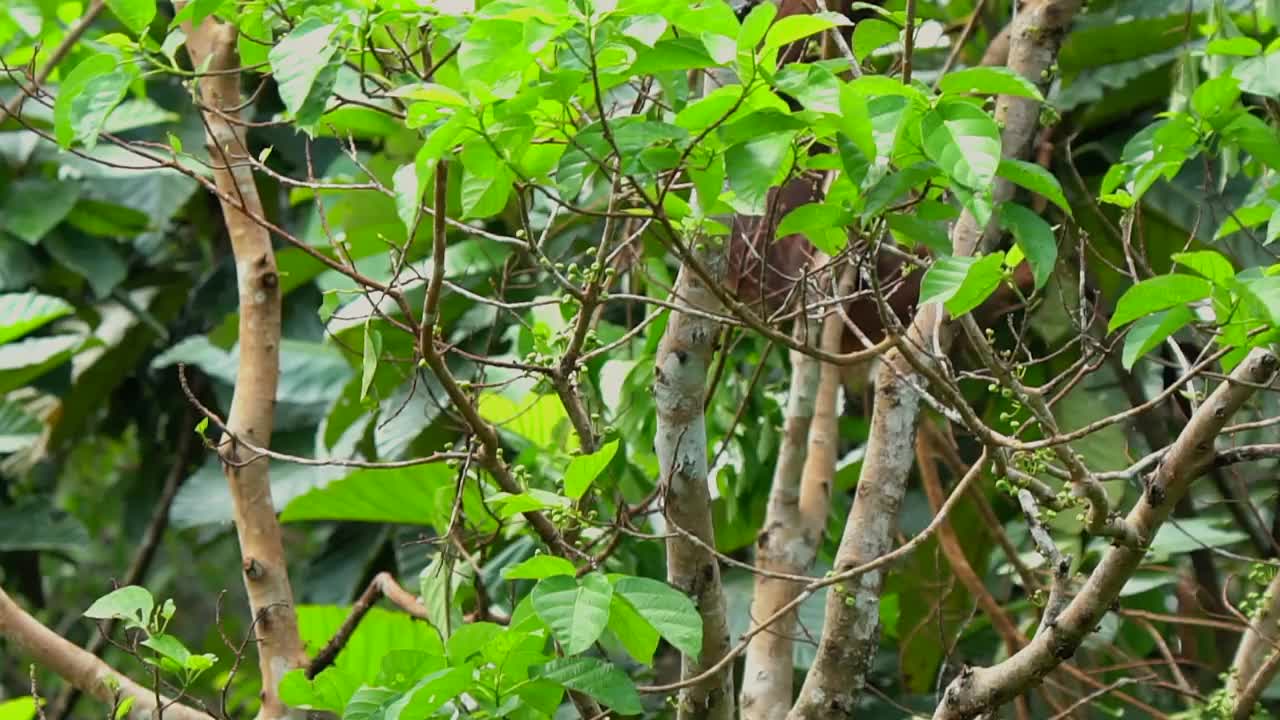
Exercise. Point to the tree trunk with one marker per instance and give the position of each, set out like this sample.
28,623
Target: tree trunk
684,355
266,574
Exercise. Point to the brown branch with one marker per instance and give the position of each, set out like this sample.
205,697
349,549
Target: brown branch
382,585
266,573
981,690
82,669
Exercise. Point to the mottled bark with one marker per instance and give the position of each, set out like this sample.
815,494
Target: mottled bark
796,517
683,358
850,635
981,690
266,575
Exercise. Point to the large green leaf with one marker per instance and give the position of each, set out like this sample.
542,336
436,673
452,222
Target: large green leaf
309,372
35,205
305,65
34,524
670,611
20,313
87,97
132,604
752,168
964,141
576,611
1156,294
601,680
403,495
133,14
26,360
797,27
636,635
22,708
824,224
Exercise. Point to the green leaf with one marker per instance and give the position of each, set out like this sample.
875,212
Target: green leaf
601,680
964,141
796,27
430,694
22,708
131,604
18,430
122,710
1035,178
370,703
87,96
1150,331
408,193
1215,97
407,496
1034,236
670,611
584,469
29,358
1212,264
645,29
712,108
196,11
34,523
910,230
369,361
168,646
637,635
962,283
576,611
871,34
35,205
20,313
539,567
1156,294
752,168
825,225
988,81
755,25
134,14
305,64
439,583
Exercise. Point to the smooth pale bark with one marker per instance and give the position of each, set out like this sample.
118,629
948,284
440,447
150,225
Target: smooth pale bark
1255,661
680,381
795,519
851,631
266,574
81,668
977,691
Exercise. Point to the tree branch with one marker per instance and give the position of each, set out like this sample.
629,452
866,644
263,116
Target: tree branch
82,669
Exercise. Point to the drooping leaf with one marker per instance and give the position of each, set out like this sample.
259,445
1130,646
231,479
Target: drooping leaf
601,680
670,611
303,63
1148,332
1034,237
871,34
1156,294
964,141
752,168
825,224
584,469
576,611
21,313
18,430
962,283
637,635
33,206
1035,178
797,27
369,360
87,96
